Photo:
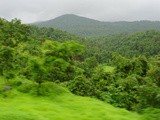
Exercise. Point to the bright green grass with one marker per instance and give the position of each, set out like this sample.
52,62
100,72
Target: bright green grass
61,107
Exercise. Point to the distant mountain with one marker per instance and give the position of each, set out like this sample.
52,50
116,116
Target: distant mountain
88,27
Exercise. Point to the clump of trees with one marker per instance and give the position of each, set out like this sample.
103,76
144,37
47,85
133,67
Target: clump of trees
131,85
37,54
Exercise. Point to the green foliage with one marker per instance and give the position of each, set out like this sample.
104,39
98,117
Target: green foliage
38,70
102,79
27,52
32,58
128,45
28,87
88,65
59,59
50,34
125,67
154,72
140,66
11,34
81,86
50,89
149,96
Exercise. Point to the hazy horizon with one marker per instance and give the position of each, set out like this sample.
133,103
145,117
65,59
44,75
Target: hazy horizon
30,11
97,20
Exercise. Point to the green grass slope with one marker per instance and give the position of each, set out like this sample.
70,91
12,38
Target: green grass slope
65,106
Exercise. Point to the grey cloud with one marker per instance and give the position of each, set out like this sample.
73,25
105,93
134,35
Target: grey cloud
104,10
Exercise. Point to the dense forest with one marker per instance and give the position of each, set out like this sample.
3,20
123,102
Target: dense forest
128,45
82,26
122,70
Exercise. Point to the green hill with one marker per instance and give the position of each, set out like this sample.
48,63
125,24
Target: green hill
34,60
89,27
64,106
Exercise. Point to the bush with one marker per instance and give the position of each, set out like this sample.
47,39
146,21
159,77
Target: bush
149,96
43,89
81,86
50,88
17,82
28,86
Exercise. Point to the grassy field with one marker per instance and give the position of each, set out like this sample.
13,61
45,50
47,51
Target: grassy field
65,106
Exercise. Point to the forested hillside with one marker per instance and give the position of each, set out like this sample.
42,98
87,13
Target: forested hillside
47,65
130,45
88,27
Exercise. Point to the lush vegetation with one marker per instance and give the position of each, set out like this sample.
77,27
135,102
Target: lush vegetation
88,27
128,45
122,70
60,105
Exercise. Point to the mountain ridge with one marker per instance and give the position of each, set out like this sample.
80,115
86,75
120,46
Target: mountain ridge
64,15
83,26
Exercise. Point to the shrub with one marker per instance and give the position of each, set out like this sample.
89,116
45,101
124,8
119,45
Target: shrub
50,88
149,96
81,86
28,86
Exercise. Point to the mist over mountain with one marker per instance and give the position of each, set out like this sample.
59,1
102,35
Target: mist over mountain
89,27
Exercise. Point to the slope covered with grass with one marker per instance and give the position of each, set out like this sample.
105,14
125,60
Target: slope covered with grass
65,106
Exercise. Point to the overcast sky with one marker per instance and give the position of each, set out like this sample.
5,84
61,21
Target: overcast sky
104,10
